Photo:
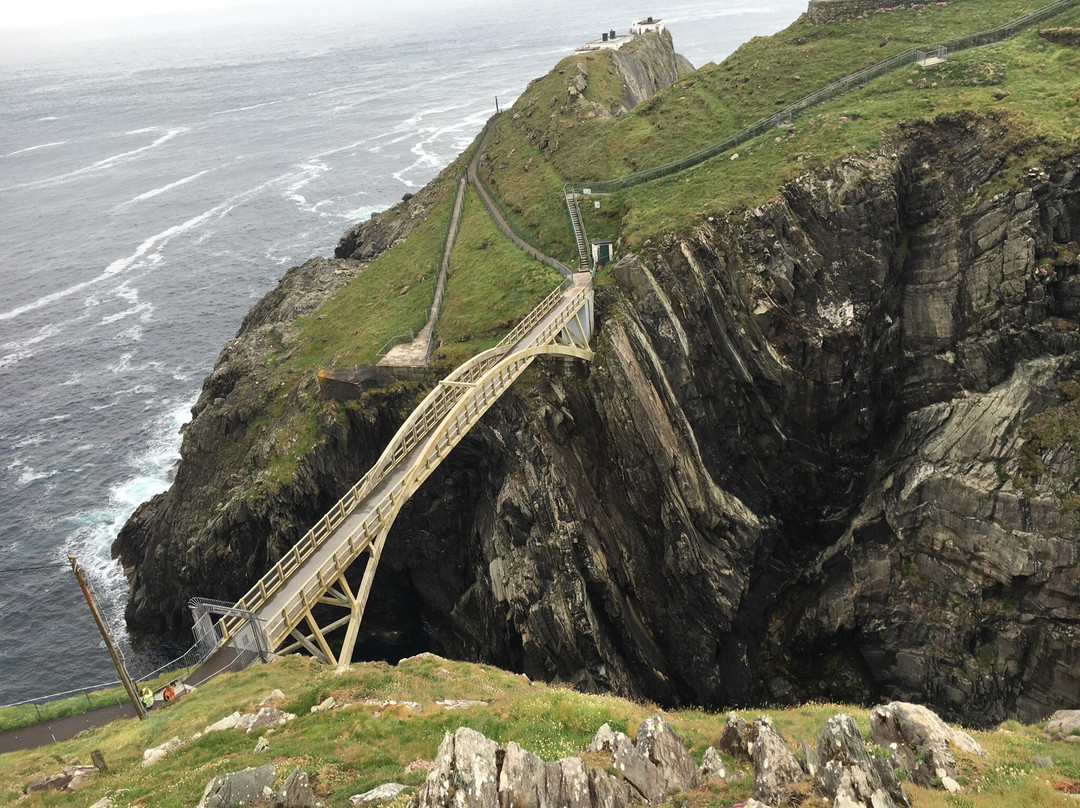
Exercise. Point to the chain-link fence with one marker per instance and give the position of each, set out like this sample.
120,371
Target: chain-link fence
826,93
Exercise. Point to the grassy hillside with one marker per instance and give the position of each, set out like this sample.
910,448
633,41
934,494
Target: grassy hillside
1035,84
357,747
561,142
490,285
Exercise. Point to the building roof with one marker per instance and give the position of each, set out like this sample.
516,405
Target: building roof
649,21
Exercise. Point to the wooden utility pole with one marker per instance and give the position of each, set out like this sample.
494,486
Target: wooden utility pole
105,635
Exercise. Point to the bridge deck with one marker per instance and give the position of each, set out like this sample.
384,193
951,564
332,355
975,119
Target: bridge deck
337,542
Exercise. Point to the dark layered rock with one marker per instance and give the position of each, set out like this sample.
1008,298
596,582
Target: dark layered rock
806,462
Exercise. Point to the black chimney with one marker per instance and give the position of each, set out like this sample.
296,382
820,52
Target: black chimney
612,33
604,36
650,19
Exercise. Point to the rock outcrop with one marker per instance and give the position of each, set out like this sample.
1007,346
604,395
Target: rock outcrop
470,771
775,766
827,449
922,743
239,788
847,773
1064,722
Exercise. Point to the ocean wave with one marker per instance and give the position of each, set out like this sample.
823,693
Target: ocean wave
158,191
150,474
101,165
143,309
34,148
253,106
14,358
116,267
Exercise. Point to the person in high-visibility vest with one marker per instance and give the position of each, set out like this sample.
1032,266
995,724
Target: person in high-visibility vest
147,698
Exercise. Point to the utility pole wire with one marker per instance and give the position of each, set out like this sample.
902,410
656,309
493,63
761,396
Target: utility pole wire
140,710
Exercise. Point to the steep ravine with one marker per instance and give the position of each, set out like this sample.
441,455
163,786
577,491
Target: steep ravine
796,467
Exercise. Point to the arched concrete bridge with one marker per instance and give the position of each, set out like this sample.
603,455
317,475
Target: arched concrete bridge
276,615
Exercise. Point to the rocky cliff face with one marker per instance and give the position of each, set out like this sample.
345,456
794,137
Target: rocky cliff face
808,459
216,530
827,448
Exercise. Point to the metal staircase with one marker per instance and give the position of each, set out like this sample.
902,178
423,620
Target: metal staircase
571,197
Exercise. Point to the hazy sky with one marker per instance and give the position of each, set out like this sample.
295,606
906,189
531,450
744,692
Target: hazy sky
22,13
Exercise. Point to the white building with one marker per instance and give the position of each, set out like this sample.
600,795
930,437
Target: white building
607,41
646,25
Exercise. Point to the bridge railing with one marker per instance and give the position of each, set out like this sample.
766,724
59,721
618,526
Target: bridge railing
419,423
826,93
279,624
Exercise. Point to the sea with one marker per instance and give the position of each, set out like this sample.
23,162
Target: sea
158,175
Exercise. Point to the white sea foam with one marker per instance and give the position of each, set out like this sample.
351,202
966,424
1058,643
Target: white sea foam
151,469
140,309
253,106
116,267
34,148
49,118
101,165
14,358
158,191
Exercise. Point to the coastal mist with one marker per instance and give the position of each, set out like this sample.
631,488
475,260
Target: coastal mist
157,177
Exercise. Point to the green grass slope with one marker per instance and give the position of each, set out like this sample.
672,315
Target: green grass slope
357,747
490,285
561,142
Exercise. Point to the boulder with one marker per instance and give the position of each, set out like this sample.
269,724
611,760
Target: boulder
71,778
262,746
274,695
238,788
387,791
567,783
295,792
775,767
460,704
1065,722
655,765
921,742
80,776
228,722
152,756
475,770
265,717
735,739
465,768
1044,762
712,767
523,779
848,774
606,791
326,704
104,802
